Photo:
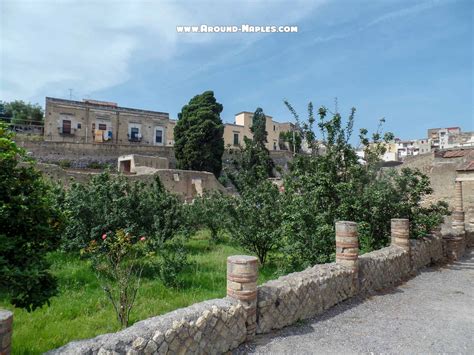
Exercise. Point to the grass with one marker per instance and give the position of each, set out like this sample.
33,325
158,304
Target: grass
81,309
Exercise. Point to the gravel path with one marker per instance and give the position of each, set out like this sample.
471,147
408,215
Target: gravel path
430,314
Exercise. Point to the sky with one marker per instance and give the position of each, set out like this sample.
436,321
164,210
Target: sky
408,61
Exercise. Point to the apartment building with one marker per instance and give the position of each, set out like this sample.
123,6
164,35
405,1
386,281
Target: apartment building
234,133
101,122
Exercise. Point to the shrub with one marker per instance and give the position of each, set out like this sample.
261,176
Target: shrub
118,259
210,211
256,219
110,203
30,224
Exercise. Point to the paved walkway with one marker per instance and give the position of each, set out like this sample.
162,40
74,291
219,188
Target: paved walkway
430,314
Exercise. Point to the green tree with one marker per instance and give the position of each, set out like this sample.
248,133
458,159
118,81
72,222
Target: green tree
253,163
323,188
199,144
30,226
117,258
256,219
110,203
21,112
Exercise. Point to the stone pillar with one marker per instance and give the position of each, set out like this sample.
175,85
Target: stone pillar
6,329
242,274
400,233
458,214
347,247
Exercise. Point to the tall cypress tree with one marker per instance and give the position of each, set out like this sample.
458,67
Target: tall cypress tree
199,144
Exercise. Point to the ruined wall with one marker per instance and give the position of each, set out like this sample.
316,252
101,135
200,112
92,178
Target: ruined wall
220,325
184,183
80,155
383,268
210,327
426,251
302,295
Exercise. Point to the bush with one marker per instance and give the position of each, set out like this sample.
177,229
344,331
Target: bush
30,223
321,189
210,211
256,219
110,203
173,260
118,259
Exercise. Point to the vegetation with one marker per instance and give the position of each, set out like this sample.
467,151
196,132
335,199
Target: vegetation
253,164
138,233
81,309
118,260
30,223
110,203
20,112
198,135
256,219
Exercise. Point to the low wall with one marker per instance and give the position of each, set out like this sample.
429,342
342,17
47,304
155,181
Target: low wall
220,325
210,327
383,268
302,295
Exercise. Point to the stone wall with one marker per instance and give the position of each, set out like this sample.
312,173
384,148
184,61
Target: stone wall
210,327
217,326
80,155
382,269
426,251
302,295
184,183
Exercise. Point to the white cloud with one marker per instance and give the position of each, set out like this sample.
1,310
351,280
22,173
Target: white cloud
49,46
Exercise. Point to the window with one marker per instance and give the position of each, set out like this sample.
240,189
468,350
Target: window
236,139
102,126
274,128
66,127
159,136
134,132
78,126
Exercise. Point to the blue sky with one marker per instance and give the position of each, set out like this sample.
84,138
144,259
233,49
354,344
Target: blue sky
408,61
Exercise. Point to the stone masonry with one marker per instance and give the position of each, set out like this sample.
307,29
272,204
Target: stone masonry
6,323
220,325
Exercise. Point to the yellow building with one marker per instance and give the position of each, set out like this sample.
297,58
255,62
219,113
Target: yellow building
234,133
92,121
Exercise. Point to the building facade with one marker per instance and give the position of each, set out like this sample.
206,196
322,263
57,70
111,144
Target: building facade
92,121
234,133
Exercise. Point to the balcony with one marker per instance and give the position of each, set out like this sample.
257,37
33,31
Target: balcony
66,131
134,138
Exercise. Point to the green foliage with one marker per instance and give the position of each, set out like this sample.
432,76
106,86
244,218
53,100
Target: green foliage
198,135
22,113
64,163
173,261
253,163
294,140
210,211
30,223
118,261
323,188
110,203
256,219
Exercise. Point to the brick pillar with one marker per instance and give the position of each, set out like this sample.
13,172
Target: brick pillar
347,247
458,214
400,233
6,329
242,274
